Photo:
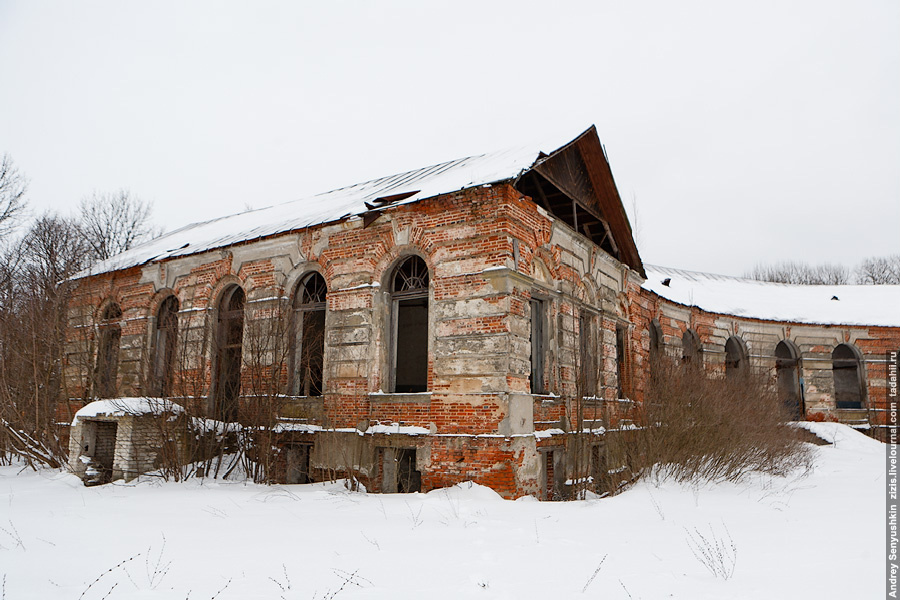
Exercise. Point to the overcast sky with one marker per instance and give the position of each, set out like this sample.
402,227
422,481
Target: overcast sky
743,132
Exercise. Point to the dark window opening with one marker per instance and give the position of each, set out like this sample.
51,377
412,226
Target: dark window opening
108,352
621,361
308,347
848,384
104,451
399,473
735,357
656,339
164,347
297,470
587,376
690,348
538,326
554,474
787,374
229,341
409,295
599,470
409,479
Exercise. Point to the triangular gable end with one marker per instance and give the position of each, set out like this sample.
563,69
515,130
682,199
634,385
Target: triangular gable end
575,183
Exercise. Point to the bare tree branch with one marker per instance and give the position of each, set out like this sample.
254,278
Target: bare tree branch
12,194
879,270
115,222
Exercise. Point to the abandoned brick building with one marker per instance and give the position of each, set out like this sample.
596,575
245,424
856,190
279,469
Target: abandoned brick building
436,326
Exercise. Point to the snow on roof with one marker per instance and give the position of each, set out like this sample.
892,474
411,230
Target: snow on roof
877,305
332,206
120,407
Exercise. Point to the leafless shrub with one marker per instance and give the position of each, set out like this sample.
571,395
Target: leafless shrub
879,270
801,273
716,552
712,428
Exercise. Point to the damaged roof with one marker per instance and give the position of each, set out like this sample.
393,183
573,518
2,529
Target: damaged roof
371,197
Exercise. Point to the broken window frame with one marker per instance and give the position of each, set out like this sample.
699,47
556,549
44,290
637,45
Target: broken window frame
110,337
409,285
307,350
229,340
164,346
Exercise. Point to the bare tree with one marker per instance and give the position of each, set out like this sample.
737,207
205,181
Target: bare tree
115,222
12,194
32,324
879,270
801,273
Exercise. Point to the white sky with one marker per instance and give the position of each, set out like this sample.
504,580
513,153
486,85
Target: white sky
746,131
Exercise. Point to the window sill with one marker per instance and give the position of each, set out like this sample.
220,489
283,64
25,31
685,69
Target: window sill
410,398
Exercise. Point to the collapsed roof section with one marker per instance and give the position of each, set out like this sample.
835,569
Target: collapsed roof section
573,182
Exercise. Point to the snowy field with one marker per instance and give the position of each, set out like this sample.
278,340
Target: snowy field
815,535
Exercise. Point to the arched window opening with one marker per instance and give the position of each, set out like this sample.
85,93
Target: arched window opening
164,344
691,351
849,391
622,361
409,315
308,337
788,381
587,363
656,341
229,340
108,351
735,357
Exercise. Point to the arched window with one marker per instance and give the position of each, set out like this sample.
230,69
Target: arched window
229,340
735,357
656,341
787,375
409,320
108,351
849,391
308,336
691,350
164,344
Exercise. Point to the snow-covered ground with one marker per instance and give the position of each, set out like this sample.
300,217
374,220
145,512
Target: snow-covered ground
814,535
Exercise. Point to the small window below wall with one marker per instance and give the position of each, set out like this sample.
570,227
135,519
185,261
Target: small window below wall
399,471
308,336
538,354
108,352
409,320
164,346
